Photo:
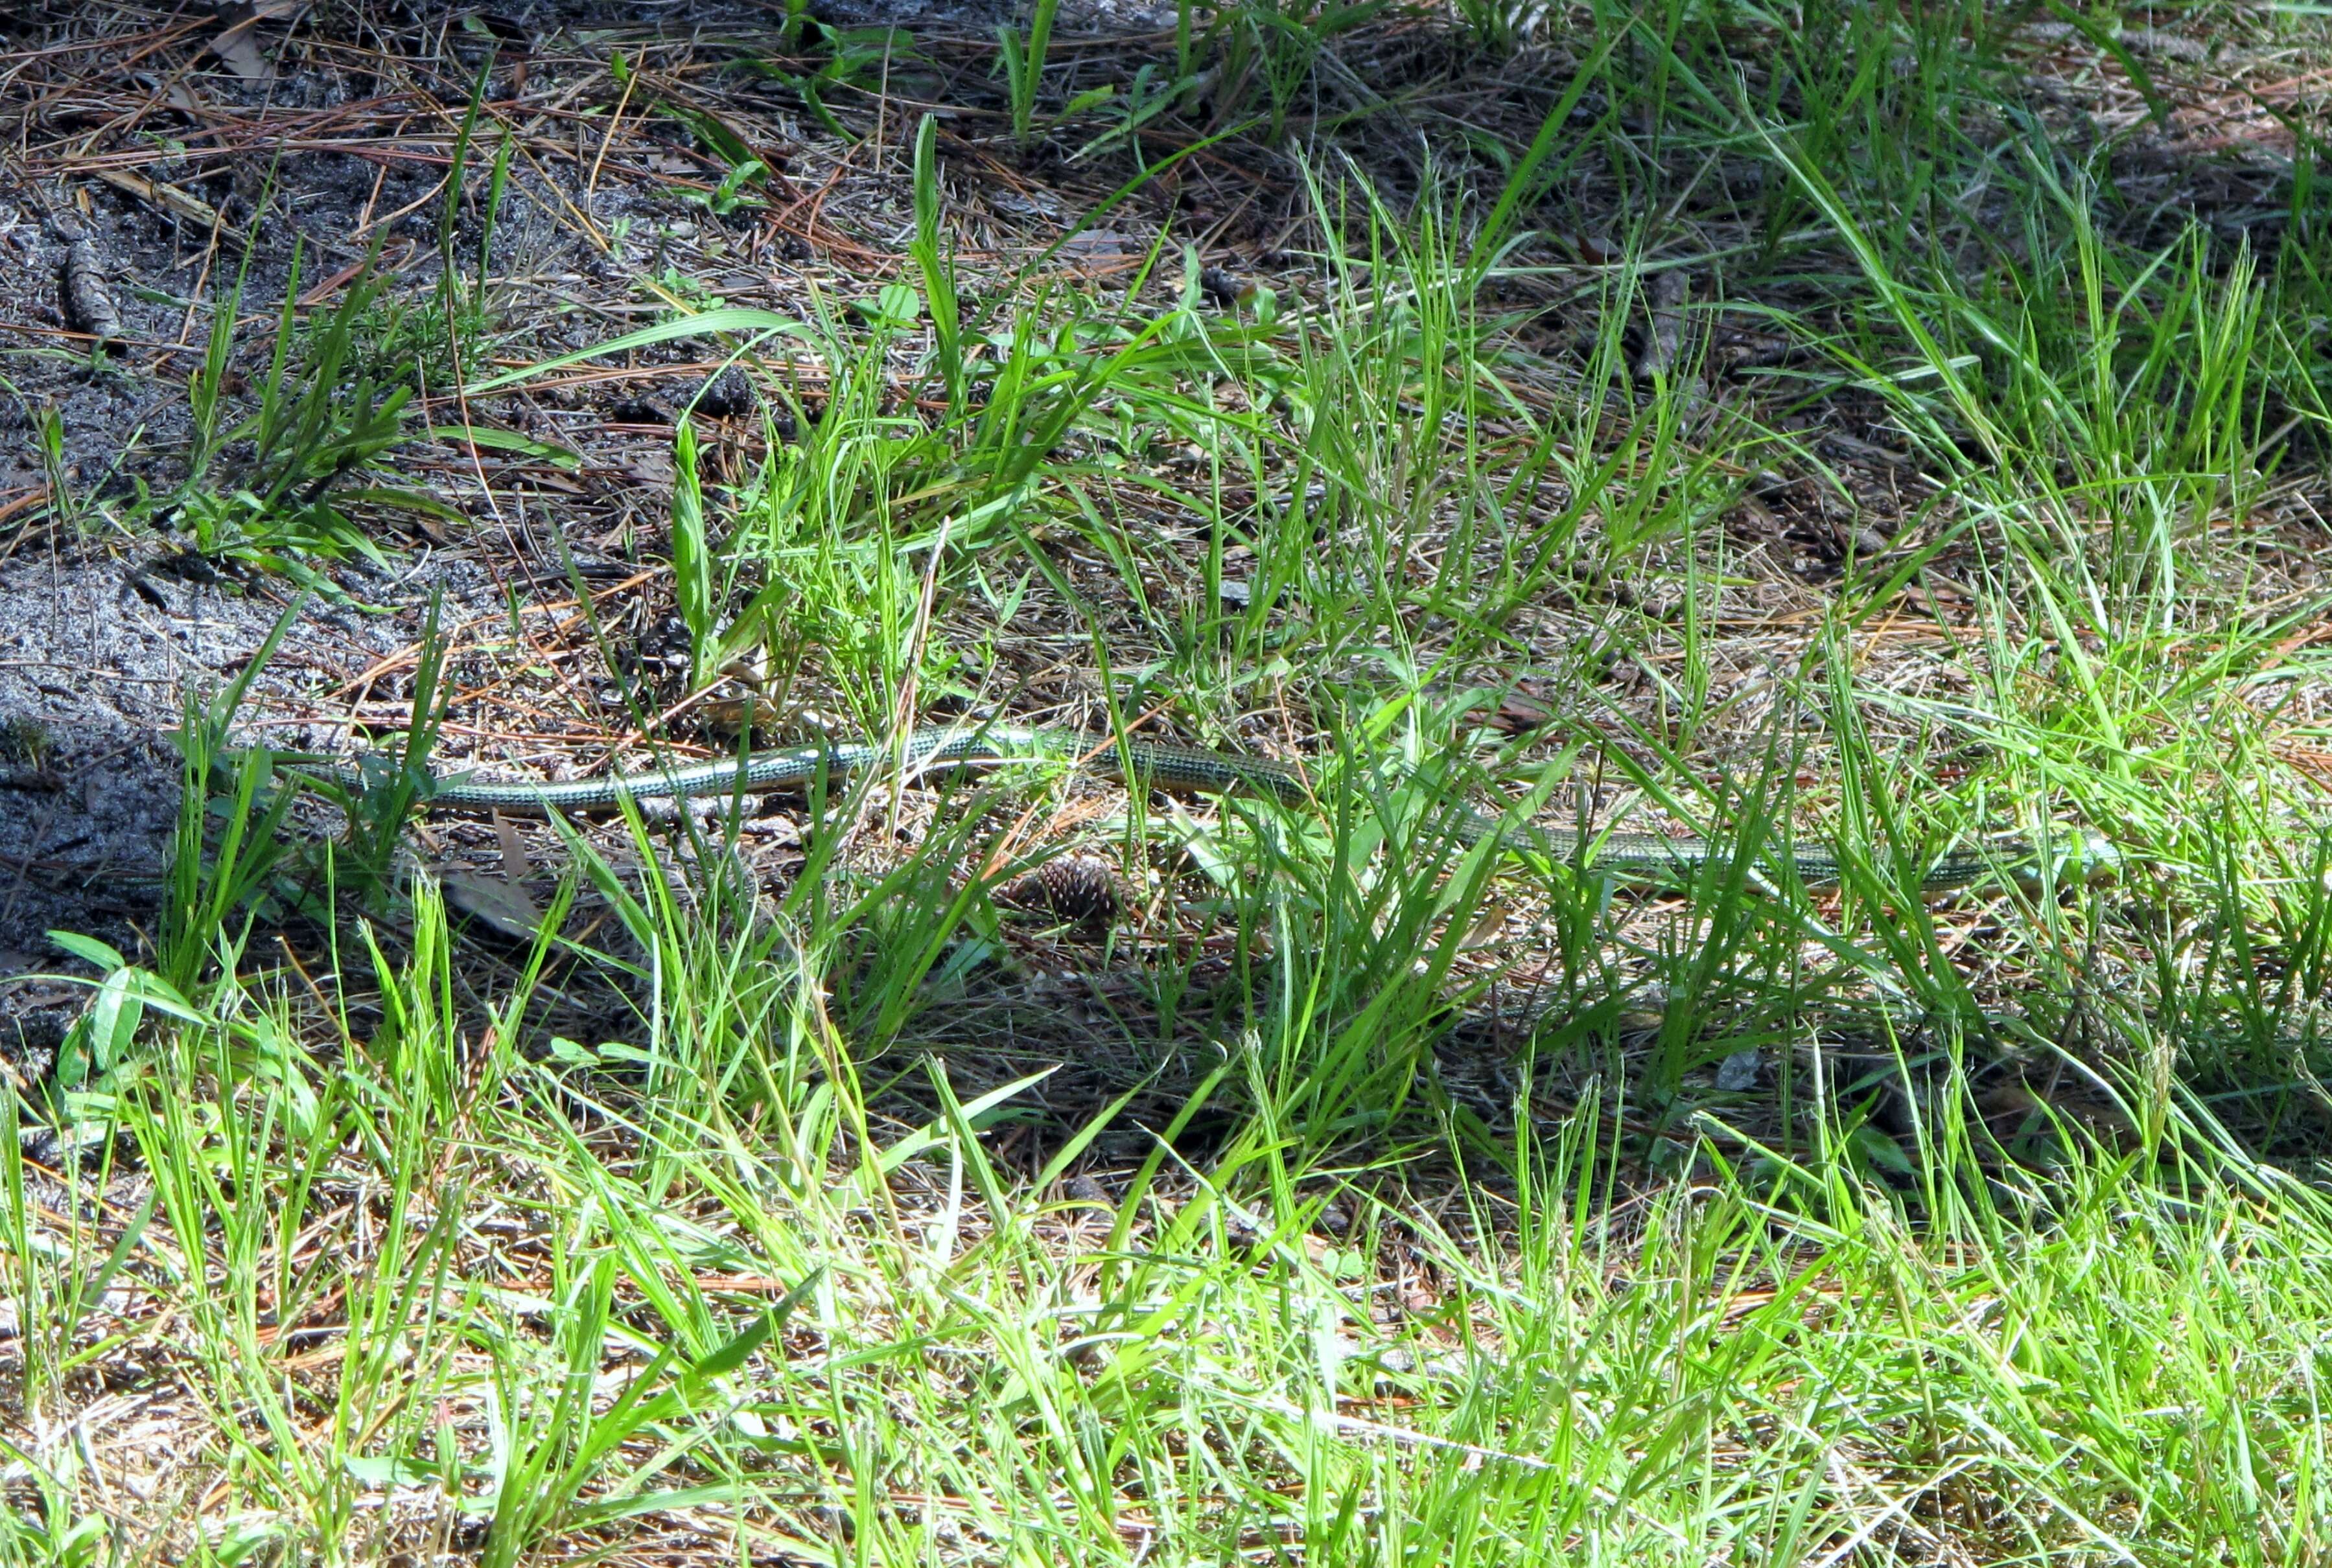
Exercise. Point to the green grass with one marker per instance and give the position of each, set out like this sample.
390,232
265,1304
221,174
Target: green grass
1366,1199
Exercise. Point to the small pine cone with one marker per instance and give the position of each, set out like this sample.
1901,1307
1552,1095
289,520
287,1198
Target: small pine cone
1079,888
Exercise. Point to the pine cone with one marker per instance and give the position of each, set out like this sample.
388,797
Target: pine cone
1079,888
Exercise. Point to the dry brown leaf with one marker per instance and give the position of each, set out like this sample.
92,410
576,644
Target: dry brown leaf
504,906
237,43
238,49
515,865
